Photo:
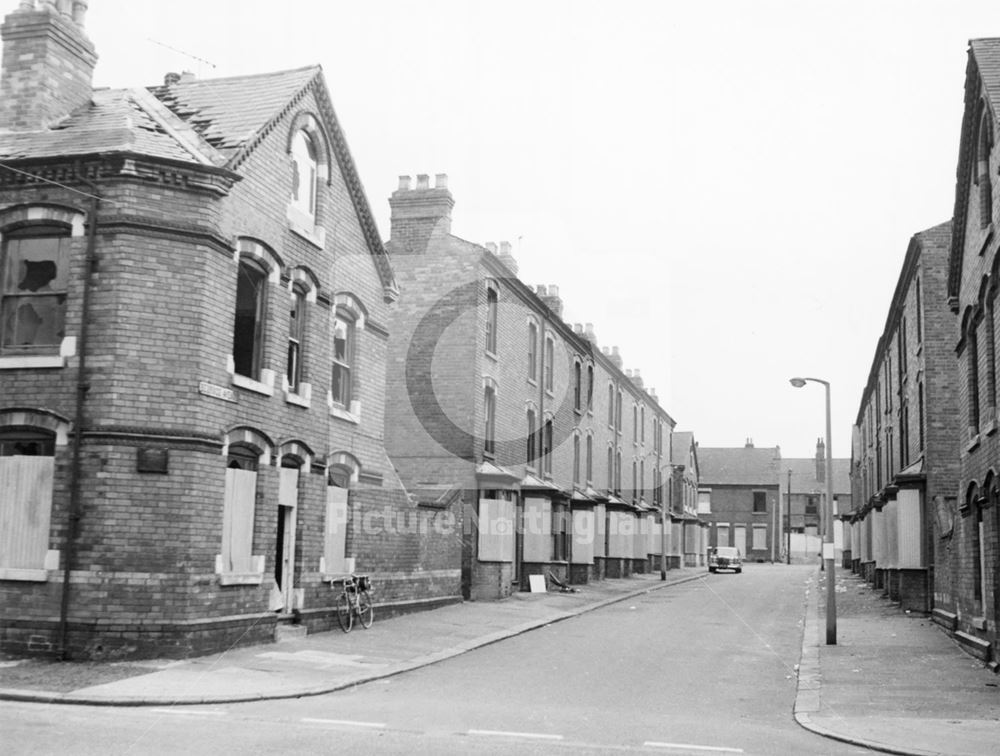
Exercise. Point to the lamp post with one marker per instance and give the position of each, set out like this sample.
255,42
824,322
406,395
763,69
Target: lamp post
828,543
666,503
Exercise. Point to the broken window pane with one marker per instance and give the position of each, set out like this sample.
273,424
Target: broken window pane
34,291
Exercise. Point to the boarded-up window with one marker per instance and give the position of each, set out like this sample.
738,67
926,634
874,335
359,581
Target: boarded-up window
335,531
537,530
496,530
584,527
26,475
238,510
759,537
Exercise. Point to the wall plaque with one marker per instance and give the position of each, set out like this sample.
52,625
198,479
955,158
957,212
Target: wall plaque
217,392
150,460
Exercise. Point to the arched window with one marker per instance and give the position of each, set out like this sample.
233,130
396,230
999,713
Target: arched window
576,459
532,351
577,386
491,320
490,414
248,322
983,147
296,338
305,173
531,453
343,361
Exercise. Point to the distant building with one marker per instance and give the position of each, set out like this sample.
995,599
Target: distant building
803,494
739,491
689,544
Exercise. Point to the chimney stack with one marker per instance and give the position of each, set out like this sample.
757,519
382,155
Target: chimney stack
48,64
588,331
616,357
820,460
507,257
552,300
637,378
749,443
418,213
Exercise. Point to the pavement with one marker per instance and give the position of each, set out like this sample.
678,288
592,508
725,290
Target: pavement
894,682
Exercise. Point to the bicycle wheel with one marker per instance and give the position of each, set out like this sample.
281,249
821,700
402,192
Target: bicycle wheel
345,615
366,612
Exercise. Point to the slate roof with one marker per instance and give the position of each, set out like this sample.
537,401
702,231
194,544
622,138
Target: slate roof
116,121
804,476
228,113
680,446
748,465
212,123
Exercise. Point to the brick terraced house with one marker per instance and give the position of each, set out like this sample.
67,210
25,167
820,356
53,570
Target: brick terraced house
970,585
194,311
905,461
553,454
803,489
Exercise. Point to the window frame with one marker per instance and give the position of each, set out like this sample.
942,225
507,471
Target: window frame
345,368
18,236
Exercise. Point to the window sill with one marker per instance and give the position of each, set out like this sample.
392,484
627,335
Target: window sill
990,429
23,362
532,382
303,225
265,387
492,355
24,574
342,414
241,578
973,444
300,398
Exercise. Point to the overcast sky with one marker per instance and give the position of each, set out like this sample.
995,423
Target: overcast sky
726,190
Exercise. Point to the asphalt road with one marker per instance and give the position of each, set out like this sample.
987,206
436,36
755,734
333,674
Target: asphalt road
700,668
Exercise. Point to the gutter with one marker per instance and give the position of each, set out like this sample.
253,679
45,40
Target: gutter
82,387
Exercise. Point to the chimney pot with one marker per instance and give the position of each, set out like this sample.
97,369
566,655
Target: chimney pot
404,183
441,181
171,78
491,247
541,290
578,328
505,248
187,77
553,290
423,181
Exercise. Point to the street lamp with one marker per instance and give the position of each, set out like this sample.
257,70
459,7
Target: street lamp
828,543
666,503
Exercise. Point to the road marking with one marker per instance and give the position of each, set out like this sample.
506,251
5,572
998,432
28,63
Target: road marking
690,747
344,723
505,734
190,712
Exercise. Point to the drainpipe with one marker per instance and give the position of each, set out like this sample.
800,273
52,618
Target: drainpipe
82,386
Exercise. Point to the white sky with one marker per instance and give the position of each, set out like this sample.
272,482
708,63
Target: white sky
725,189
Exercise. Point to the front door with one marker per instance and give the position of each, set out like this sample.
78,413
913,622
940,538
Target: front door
284,559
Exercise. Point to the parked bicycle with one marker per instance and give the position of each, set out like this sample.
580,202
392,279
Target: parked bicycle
355,600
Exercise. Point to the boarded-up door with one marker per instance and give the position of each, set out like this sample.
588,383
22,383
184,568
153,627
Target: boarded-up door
740,538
